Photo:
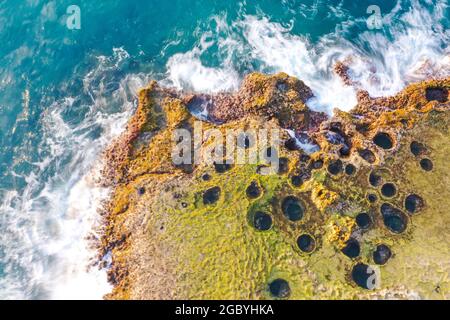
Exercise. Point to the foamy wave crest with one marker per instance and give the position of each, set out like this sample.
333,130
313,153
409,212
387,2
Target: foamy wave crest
412,46
51,225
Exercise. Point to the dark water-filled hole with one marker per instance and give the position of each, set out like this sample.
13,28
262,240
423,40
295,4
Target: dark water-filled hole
306,243
367,155
335,167
388,190
437,94
363,220
417,148
372,198
296,181
253,190
283,165
279,288
394,219
426,164
222,167
206,177
383,140
317,164
211,195
262,221
363,275
414,203
141,191
293,208
344,151
374,179
291,144
350,169
351,248
382,254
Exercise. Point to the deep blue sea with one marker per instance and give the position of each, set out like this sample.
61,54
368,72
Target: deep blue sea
65,92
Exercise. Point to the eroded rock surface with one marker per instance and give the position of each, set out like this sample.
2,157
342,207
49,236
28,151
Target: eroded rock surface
374,197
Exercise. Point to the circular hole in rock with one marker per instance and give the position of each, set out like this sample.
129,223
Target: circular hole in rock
317,164
306,243
293,208
262,221
222,167
388,190
335,167
372,198
382,254
426,164
141,191
363,276
437,94
414,203
296,181
417,148
344,151
383,140
367,155
351,248
350,169
206,177
211,195
363,220
279,288
253,190
291,144
394,219
375,180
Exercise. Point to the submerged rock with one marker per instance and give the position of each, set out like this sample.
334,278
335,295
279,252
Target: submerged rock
377,202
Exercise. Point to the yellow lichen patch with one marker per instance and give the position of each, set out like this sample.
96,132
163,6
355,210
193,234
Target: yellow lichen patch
339,230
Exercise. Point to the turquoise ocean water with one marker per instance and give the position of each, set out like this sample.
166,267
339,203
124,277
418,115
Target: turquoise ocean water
65,93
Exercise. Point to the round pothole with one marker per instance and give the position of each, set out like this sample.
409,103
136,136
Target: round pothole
211,195
383,140
296,181
253,190
414,203
375,180
141,191
437,94
262,221
388,190
293,208
372,198
291,144
351,249
364,276
382,254
350,169
222,167
426,164
206,177
306,243
335,167
367,155
317,164
417,148
279,288
363,220
394,219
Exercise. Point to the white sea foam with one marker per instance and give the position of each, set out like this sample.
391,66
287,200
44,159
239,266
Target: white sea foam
411,47
47,225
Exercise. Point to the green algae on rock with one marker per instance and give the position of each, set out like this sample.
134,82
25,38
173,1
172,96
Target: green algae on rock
202,233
